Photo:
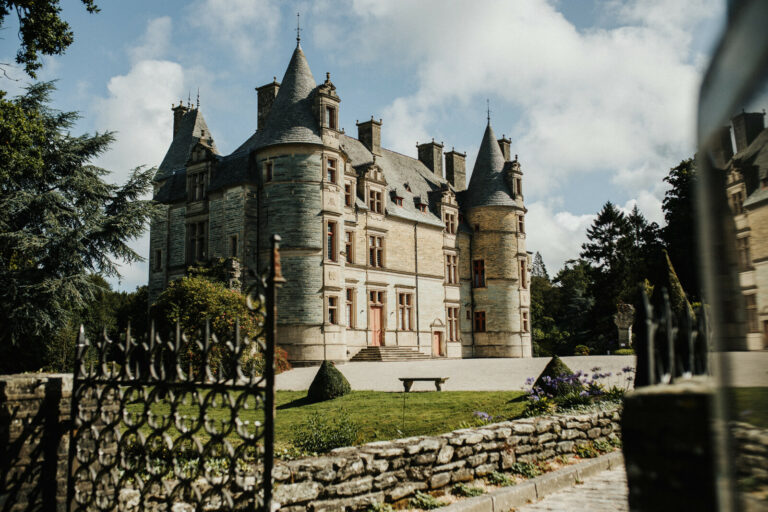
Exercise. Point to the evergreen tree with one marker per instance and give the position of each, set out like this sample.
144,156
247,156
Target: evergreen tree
679,234
539,269
60,222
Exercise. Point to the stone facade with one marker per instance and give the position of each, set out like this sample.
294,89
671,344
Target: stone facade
747,189
391,471
378,248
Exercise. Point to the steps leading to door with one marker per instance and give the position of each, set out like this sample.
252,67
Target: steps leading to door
389,354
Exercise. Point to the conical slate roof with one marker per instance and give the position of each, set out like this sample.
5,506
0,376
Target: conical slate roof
291,119
487,186
192,128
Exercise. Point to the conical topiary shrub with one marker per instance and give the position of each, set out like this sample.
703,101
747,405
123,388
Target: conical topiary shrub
557,379
328,383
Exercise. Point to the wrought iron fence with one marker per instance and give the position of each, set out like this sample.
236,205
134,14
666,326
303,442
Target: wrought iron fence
671,343
182,420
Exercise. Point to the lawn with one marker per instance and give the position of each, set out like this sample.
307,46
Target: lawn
749,405
379,415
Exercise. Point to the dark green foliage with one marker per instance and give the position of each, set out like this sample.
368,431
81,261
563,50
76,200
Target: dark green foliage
320,434
466,491
538,269
60,222
680,232
586,450
540,407
525,469
677,298
624,352
41,30
573,399
329,383
499,479
552,373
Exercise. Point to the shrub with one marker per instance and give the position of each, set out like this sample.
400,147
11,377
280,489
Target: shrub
328,383
320,434
425,501
581,350
466,491
538,406
525,469
603,446
557,379
380,507
624,352
573,399
499,479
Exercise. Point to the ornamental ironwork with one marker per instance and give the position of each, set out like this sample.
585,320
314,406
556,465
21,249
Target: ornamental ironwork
182,422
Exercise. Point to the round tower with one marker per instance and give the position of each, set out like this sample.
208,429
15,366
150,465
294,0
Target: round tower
295,155
499,263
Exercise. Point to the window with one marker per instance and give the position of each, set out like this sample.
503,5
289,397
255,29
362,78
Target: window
375,251
479,321
520,224
451,268
477,228
233,246
333,310
197,185
349,246
330,117
268,171
523,274
450,223
453,324
350,309
348,194
478,274
158,259
376,297
469,314
398,201
737,202
423,207
197,241
752,324
330,246
330,168
745,260
405,311
525,322
519,186
374,201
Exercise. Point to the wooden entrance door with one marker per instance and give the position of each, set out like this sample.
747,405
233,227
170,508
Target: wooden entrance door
437,338
375,323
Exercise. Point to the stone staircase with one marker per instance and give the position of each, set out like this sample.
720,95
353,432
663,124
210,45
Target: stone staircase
389,354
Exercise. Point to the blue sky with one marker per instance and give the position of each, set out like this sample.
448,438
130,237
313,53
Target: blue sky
598,97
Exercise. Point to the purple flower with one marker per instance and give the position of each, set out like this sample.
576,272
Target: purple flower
595,369
628,369
583,393
482,415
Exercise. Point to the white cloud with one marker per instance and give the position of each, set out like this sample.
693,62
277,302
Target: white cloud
156,40
556,235
246,27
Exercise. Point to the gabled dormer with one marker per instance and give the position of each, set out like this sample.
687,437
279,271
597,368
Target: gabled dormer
326,108
199,166
371,186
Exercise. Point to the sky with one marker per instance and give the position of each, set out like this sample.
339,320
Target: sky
598,96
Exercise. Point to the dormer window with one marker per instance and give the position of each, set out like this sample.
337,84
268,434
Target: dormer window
450,223
407,187
423,207
196,186
330,117
398,201
348,194
374,201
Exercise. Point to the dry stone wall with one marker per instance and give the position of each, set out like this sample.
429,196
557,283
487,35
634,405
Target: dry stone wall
390,471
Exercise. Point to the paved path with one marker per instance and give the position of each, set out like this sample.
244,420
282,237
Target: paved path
463,374
604,492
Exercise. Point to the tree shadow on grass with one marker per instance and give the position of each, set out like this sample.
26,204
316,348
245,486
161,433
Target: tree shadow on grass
299,402
521,398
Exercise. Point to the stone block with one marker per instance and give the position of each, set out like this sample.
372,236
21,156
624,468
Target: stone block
478,459
425,458
594,433
386,480
485,469
463,475
405,490
439,480
507,459
288,494
445,454
352,487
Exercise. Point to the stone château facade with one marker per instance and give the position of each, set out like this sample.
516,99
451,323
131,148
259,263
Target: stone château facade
378,248
747,188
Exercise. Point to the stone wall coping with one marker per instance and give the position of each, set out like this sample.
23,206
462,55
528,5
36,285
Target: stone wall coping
537,488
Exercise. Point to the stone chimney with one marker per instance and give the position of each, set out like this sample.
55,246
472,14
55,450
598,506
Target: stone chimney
178,112
456,169
431,155
722,148
747,126
267,94
369,133
504,144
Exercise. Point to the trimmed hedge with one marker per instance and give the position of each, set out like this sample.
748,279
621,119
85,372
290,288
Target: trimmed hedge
328,383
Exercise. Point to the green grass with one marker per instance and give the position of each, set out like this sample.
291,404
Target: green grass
749,405
379,414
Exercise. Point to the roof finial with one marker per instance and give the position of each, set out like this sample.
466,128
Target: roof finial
189,98
298,29
488,105
198,98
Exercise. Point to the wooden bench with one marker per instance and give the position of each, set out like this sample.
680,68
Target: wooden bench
408,381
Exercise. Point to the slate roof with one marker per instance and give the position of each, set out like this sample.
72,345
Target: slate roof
487,186
290,119
754,161
191,129
398,170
